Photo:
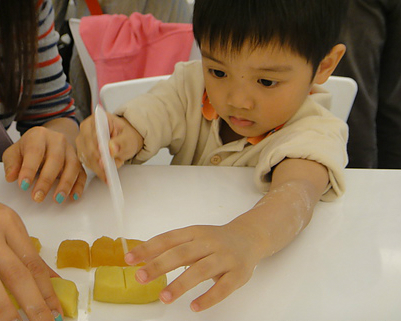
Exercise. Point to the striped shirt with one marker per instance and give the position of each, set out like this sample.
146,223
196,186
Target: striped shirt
51,93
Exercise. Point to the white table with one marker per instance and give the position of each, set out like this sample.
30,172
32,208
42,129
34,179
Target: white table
346,265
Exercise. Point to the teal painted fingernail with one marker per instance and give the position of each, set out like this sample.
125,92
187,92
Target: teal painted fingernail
57,316
60,198
25,184
75,196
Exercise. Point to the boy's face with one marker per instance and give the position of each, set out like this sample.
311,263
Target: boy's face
256,91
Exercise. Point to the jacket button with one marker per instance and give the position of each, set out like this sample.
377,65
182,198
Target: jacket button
215,160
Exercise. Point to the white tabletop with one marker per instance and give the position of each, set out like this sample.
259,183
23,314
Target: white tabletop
346,265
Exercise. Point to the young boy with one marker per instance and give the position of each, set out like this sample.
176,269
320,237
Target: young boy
248,103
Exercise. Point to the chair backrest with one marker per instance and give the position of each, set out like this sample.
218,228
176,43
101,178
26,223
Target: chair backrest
343,90
113,95
89,65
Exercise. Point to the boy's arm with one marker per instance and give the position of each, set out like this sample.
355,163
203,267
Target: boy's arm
296,187
229,253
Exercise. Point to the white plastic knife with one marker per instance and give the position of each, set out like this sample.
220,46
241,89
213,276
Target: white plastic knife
113,180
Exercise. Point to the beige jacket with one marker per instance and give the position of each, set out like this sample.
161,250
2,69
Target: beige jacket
170,116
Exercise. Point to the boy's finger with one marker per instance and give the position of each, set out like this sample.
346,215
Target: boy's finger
201,271
217,293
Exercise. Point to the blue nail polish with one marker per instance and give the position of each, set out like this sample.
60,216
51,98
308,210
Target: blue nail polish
75,196
60,198
58,318
24,184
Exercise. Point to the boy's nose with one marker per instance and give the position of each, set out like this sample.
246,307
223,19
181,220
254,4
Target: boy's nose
239,97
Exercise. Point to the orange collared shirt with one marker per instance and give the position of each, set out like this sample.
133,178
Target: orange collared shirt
210,113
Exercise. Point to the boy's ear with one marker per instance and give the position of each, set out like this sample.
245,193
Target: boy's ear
329,63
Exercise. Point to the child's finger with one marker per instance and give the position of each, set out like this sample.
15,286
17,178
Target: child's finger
158,245
200,271
217,293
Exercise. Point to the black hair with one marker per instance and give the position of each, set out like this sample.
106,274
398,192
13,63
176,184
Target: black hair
18,49
309,28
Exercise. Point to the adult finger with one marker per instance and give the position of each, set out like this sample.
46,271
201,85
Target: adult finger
29,282
7,308
23,272
79,185
54,161
12,161
69,175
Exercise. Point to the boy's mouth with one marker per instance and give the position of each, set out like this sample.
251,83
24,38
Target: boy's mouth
241,122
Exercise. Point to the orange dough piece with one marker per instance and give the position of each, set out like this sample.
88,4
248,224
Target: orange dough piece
102,252
108,252
73,253
36,243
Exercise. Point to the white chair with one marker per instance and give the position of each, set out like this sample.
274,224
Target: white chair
343,90
112,95
89,65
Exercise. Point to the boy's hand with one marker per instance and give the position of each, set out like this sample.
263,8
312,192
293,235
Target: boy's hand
227,254
124,143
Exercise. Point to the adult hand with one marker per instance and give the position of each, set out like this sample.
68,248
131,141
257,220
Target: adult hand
124,143
23,273
227,254
47,155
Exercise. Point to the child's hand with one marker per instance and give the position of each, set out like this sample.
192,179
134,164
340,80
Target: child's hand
227,254
124,143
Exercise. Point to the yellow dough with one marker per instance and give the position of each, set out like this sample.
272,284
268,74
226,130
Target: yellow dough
73,253
67,293
36,243
102,252
115,284
108,252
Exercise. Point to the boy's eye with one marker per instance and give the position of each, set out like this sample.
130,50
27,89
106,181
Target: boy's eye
267,83
217,73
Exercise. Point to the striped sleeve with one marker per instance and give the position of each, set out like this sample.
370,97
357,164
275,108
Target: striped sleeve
51,93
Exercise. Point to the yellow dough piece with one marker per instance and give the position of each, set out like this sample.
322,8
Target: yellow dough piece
108,252
115,284
73,253
36,243
102,252
67,293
